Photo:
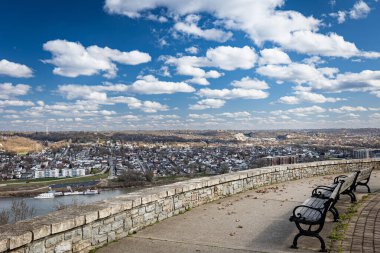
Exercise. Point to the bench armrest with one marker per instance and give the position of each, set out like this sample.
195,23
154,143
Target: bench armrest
299,216
318,191
336,179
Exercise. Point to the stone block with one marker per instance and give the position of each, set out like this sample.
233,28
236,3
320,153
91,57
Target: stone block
78,246
18,238
53,240
146,199
63,224
86,232
105,212
117,224
4,243
91,216
63,247
105,229
111,236
37,247
150,208
171,191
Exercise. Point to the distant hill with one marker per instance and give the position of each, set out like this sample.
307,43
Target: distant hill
19,145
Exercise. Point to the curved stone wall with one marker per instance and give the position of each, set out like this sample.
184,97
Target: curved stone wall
84,228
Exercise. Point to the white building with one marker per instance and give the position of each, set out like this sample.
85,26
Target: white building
39,174
66,172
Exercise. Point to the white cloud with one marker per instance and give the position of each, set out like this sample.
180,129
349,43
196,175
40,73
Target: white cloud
71,59
231,58
301,111
348,109
190,27
200,116
4,103
307,96
12,69
153,107
236,115
292,100
340,16
192,50
273,56
97,95
233,93
223,57
248,83
8,90
90,92
308,42
151,85
207,104
360,10
328,79
262,20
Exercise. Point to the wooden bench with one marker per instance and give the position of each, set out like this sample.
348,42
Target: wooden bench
311,215
363,178
348,188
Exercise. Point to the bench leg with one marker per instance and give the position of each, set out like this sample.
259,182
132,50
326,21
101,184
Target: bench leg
335,212
352,196
364,184
295,241
323,245
294,245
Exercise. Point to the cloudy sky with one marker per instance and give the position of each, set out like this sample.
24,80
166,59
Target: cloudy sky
189,64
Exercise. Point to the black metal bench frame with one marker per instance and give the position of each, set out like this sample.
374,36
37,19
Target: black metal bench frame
300,220
318,192
364,181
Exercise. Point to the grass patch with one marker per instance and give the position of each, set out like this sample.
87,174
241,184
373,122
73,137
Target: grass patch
338,233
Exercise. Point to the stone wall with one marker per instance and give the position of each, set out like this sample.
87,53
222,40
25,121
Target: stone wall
84,228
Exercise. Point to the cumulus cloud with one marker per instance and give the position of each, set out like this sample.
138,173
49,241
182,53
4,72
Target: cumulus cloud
4,103
301,111
273,56
348,109
13,69
327,79
262,20
151,85
236,115
97,94
249,83
90,92
190,27
192,50
207,104
304,96
222,57
358,11
72,59
8,90
233,93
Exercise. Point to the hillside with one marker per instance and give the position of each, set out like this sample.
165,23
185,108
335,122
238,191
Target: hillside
19,145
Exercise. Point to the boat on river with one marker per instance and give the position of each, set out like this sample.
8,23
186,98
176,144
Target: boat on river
91,192
47,195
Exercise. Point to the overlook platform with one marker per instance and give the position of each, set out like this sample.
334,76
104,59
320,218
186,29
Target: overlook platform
254,221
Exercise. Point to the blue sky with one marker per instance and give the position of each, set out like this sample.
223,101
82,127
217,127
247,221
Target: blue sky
170,64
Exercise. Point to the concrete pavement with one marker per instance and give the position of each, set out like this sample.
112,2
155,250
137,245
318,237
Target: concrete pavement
254,221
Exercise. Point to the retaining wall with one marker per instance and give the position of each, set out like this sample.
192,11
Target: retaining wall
84,228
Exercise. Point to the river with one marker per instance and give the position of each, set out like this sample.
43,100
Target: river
44,206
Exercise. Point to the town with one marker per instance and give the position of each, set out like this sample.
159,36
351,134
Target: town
201,154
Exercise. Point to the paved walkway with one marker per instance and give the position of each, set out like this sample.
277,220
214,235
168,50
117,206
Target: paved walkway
363,233
254,221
